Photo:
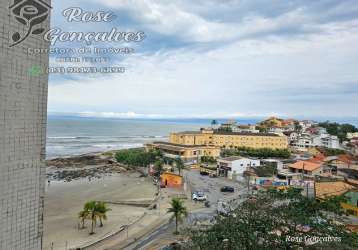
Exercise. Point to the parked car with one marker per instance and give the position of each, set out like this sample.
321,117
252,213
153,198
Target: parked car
227,189
204,173
199,196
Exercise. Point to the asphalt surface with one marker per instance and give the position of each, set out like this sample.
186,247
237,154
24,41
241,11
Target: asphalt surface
211,187
195,182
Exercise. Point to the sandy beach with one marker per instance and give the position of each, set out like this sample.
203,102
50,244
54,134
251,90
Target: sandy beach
63,201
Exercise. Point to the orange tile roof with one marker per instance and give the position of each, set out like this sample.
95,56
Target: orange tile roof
306,165
345,158
318,160
327,189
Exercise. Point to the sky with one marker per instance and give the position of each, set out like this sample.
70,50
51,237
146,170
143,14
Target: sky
217,58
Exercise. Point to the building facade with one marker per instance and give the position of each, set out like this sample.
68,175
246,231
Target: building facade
234,166
188,153
23,116
229,140
306,168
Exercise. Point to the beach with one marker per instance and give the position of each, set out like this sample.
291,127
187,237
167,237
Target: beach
103,180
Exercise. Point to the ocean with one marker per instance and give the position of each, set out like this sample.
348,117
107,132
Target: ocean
71,135
67,136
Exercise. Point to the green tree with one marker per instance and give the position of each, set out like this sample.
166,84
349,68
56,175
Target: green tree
102,209
214,123
158,166
179,164
82,215
208,159
267,219
137,157
340,130
178,209
260,153
93,213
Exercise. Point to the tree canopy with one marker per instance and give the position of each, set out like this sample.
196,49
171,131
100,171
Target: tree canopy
340,130
277,220
137,157
260,153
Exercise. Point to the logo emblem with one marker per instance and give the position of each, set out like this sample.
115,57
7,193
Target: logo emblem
29,13
35,70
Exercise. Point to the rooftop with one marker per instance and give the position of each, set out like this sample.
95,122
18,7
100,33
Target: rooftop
306,165
174,145
231,158
327,189
229,133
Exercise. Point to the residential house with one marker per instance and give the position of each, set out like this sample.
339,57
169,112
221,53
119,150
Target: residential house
306,168
245,128
291,136
352,135
340,161
275,123
325,140
305,124
315,137
275,130
234,166
303,142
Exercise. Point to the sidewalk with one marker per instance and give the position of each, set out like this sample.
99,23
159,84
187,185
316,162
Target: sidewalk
151,221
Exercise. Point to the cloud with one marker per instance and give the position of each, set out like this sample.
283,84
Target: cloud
233,57
133,115
199,22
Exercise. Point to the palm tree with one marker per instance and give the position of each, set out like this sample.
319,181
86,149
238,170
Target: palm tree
179,164
83,215
102,209
213,123
93,213
158,165
178,209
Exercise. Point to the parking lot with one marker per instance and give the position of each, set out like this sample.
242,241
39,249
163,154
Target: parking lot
211,187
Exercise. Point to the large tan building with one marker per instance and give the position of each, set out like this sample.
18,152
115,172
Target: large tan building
185,152
229,140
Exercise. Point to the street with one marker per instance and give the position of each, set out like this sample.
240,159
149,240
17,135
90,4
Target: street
163,235
211,187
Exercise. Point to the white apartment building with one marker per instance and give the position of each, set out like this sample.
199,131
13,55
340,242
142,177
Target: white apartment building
245,128
320,139
352,135
303,142
326,140
234,166
305,124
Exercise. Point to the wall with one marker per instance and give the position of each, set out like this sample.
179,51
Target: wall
221,140
23,105
239,166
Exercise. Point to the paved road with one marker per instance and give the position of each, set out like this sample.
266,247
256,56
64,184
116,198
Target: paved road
195,181
164,234
161,231
211,186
